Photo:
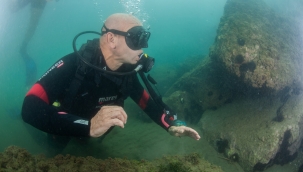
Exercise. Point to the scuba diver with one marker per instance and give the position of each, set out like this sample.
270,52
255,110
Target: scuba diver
36,10
83,93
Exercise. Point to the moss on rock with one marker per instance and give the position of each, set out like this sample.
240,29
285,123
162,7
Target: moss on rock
18,159
258,46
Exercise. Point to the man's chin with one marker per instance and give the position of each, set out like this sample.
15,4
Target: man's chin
135,62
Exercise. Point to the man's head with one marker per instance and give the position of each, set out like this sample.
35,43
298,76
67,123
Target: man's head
123,38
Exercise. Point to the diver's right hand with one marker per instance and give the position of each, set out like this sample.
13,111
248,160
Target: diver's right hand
106,117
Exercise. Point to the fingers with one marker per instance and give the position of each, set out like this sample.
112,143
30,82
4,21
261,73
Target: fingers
115,112
117,122
99,128
107,117
184,131
117,115
195,136
192,133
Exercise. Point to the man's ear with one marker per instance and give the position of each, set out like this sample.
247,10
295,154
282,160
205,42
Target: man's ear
111,39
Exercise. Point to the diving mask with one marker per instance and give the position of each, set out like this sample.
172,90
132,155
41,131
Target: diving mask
136,37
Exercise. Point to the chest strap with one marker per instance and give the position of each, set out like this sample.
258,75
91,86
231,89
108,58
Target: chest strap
88,51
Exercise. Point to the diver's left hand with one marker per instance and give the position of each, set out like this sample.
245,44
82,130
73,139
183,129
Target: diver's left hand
184,131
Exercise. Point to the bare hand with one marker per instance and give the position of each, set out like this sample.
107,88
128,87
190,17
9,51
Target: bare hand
183,131
106,117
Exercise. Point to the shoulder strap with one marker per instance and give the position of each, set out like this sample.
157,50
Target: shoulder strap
88,51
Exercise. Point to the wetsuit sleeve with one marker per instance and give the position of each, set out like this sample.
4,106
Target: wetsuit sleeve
146,103
37,109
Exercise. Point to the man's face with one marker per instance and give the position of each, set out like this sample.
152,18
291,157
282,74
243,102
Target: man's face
126,53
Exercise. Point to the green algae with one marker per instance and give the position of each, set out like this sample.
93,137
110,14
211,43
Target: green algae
18,159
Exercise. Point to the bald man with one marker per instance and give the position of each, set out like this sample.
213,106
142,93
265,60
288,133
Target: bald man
56,105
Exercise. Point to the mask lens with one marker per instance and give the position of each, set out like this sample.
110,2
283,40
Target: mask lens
138,38
144,39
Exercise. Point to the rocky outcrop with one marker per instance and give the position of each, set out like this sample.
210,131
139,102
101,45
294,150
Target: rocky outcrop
252,131
255,52
248,91
258,46
262,54
199,89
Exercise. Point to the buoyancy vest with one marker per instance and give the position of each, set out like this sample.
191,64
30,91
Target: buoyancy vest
92,54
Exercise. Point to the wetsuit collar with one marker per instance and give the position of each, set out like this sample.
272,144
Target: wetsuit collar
122,68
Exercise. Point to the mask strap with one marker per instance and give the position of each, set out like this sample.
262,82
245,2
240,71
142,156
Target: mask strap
106,30
114,31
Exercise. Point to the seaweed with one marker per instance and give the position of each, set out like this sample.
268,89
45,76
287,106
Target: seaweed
18,159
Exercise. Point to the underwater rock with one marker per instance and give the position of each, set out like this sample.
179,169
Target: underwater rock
14,159
187,110
18,159
249,88
261,48
201,89
247,129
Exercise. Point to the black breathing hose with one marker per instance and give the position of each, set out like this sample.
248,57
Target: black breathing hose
156,97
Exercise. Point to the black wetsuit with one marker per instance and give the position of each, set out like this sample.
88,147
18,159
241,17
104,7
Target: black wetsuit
95,91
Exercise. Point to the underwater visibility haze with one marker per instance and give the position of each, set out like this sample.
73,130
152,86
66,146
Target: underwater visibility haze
231,69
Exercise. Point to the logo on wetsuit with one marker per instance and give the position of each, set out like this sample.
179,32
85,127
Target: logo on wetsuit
57,65
106,99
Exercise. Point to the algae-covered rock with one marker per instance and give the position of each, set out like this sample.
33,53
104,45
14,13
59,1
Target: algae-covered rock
185,106
14,159
260,53
18,159
256,52
249,88
197,90
258,46
252,131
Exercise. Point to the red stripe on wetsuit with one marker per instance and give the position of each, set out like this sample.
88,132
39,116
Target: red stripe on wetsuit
38,91
144,99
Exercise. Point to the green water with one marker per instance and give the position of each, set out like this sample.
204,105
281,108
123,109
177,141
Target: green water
176,34
179,29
